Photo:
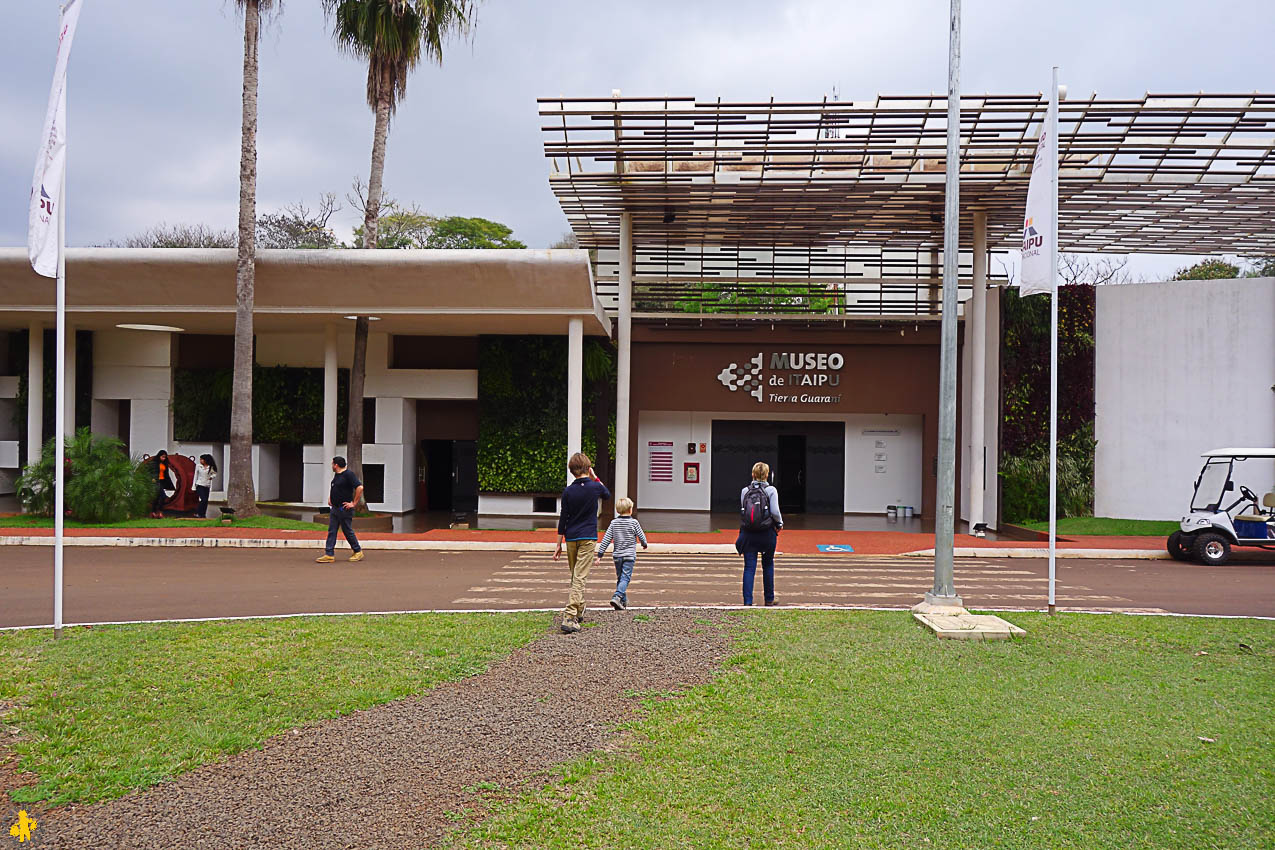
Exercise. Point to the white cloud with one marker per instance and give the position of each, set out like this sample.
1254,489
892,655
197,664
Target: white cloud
154,95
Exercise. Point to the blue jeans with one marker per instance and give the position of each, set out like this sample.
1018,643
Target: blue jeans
341,519
623,575
767,575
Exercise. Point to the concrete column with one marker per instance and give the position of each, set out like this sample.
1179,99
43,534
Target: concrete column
625,339
70,381
575,385
35,393
978,367
329,394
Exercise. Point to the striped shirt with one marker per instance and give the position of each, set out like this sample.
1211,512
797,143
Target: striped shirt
624,532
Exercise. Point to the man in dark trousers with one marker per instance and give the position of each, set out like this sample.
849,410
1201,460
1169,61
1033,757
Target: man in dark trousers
343,498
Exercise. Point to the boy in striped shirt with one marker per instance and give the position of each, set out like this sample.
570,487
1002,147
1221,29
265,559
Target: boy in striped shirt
625,532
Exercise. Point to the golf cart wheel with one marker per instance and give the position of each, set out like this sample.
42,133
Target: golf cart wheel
1212,549
1179,546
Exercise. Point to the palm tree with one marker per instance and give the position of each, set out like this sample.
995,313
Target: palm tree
392,36
240,492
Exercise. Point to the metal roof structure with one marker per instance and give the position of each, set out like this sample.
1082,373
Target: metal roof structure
1165,173
733,202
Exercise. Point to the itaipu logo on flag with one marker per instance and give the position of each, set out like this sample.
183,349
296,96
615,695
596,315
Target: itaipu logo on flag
46,203
746,377
1032,240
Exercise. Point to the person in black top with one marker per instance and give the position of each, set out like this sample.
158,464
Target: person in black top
343,498
578,529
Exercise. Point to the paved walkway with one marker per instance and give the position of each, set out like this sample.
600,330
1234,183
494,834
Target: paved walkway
117,584
802,541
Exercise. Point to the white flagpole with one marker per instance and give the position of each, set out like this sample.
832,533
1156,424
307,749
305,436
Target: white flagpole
1053,339
59,416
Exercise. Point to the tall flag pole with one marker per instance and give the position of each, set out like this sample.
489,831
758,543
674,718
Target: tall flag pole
1053,338
46,247
1040,276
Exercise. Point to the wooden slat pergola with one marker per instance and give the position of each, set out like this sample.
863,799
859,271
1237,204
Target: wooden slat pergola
810,194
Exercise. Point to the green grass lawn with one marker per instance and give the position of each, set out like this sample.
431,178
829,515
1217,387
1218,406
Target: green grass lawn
110,709
1108,526
859,729
261,521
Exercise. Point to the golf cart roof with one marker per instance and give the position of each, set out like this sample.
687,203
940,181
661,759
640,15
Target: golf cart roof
1240,453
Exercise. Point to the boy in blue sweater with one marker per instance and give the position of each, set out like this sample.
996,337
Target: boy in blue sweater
578,529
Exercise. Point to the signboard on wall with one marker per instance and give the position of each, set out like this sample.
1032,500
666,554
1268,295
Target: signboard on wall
659,461
800,378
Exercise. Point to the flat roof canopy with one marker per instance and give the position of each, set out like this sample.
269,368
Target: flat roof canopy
1169,173
436,292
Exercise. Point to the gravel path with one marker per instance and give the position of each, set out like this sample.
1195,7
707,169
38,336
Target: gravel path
388,776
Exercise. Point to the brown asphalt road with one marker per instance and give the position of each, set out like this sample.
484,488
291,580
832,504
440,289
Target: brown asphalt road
120,584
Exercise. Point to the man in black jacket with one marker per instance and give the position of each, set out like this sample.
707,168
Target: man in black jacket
578,529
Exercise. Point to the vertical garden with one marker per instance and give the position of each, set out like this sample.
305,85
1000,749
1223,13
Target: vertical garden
522,422
1024,465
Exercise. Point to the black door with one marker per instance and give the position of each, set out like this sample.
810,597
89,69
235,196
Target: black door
438,475
790,473
465,476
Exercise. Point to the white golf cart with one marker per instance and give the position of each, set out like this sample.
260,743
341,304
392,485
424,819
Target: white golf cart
1211,529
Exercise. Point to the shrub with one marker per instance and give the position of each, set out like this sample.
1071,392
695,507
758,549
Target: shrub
1025,480
103,484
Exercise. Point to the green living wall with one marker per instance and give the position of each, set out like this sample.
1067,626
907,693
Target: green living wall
287,404
1024,467
522,421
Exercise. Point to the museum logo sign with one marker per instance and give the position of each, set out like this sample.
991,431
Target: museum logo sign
787,377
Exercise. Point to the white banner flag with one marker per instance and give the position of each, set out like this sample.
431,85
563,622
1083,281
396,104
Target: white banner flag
1038,224
50,164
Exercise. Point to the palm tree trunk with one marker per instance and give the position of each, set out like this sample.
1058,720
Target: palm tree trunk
354,435
372,211
380,138
240,491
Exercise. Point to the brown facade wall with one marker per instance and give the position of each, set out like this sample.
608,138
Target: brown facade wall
894,369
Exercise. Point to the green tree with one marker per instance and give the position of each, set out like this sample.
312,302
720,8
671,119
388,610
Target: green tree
456,231
240,492
411,227
1208,270
392,36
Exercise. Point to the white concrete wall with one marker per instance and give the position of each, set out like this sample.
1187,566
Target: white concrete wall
136,365
220,453
400,464
512,504
306,350
1181,368
991,411
265,470
10,433
866,490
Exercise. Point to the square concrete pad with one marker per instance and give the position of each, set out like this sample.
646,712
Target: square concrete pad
965,626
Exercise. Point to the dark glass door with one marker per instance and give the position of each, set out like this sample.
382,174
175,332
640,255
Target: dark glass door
790,473
465,476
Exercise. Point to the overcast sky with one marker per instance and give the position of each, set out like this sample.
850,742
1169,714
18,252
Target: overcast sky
154,92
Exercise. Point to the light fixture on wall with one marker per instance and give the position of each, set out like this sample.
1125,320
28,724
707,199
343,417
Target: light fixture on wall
369,318
162,328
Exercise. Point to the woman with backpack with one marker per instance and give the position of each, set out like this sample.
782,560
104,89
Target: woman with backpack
759,524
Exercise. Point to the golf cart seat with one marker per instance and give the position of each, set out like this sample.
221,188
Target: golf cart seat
1268,502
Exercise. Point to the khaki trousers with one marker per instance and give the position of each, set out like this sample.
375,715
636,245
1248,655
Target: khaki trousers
580,554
